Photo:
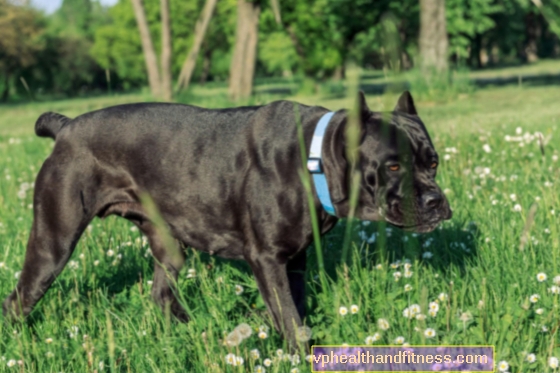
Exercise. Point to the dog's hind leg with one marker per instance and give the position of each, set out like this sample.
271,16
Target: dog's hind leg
168,260
60,216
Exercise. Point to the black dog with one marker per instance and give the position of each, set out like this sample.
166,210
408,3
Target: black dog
226,182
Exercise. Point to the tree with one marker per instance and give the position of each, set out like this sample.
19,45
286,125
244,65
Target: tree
148,48
20,41
166,52
433,40
242,67
199,32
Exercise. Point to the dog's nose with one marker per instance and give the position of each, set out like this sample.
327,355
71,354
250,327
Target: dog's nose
431,200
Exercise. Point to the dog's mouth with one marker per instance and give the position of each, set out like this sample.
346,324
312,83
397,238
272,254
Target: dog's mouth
421,225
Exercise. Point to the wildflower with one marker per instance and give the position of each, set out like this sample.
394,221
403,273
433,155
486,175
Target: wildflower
429,333
267,362
110,253
415,309
487,148
244,330
238,289
11,363
49,340
539,311
234,338
406,313
531,358
554,289
343,311
408,274
354,309
433,306
465,316
303,333
442,297
379,267
230,359
238,361
383,324
279,352
513,197
255,354
421,317
503,366
73,264
517,207
370,339
263,328
295,359
553,362
399,340
541,276
262,335
534,298
49,354
294,370
191,273
556,280
407,287
96,263
397,275
260,369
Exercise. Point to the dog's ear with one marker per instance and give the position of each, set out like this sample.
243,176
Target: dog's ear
406,104
362,106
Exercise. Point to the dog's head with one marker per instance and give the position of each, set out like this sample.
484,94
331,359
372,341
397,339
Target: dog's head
398,166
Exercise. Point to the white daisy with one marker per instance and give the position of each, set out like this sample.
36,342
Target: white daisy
429,333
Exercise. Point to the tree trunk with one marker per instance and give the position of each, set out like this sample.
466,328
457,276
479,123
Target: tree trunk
147,48
6,90
242,68
433,35
533,33
199,32
206,66
166,51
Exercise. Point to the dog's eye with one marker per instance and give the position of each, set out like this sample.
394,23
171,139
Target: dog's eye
434,165
394,167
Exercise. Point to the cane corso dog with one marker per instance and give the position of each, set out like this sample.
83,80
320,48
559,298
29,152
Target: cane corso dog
227,182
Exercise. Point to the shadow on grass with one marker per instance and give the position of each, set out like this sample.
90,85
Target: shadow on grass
450,245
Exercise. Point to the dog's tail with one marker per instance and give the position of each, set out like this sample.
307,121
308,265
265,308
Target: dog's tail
49,124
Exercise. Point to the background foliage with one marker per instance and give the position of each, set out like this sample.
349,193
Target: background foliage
84,47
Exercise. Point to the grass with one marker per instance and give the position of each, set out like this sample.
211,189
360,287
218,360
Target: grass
98,316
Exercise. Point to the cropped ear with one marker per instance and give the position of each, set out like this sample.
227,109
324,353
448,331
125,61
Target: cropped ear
362,105
406,104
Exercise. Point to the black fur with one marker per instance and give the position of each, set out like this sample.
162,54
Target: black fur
226,182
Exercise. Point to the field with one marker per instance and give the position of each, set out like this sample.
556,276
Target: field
489,276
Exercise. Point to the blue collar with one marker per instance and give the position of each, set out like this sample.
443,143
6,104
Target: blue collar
315,164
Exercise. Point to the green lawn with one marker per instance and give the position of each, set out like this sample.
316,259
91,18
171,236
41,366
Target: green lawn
98,316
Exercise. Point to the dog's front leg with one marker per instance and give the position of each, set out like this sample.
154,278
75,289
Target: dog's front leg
274,286
168,264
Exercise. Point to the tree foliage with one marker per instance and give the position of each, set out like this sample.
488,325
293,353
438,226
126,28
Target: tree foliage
75,49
